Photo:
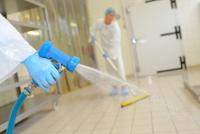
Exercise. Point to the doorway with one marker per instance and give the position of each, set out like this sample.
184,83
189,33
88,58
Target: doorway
156,23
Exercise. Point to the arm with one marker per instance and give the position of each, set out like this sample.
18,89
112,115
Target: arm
12,44
16,50
93,31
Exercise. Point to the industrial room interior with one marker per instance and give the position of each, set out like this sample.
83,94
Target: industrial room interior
160,49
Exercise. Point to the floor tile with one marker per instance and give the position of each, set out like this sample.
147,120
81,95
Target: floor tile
171,109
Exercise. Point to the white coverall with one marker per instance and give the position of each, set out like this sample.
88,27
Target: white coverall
110,36
13,49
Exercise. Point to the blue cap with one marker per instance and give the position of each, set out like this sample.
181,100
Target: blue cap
112,11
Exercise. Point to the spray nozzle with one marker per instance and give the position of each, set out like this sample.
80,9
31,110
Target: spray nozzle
48,51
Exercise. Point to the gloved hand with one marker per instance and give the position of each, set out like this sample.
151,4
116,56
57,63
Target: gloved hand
42,71
105,55
92,40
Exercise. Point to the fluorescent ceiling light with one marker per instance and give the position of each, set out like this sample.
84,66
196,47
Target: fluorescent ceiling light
73,24
34,33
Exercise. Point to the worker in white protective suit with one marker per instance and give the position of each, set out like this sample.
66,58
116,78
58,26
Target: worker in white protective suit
110,36
14,50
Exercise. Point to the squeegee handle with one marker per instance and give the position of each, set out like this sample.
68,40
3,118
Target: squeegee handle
50,52
108,59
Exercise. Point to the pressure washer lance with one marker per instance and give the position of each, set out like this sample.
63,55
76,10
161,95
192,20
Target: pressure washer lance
48,51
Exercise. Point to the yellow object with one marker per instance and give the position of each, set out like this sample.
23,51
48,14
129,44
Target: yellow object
134,99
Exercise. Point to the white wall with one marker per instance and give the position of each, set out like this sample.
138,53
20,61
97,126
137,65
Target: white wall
96,10
189,17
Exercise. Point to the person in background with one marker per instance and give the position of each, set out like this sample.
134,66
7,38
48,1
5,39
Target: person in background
110,36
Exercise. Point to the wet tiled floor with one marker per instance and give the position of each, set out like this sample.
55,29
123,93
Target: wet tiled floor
171,109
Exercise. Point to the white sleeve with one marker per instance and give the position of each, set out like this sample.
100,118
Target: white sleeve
12,44
95,28
13,49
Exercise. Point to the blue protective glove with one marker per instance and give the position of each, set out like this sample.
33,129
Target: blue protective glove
105,55
43,72
92,40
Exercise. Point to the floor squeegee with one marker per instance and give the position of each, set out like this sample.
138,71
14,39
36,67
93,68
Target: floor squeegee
135,97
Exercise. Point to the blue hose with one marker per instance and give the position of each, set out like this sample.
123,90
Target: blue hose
15,109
